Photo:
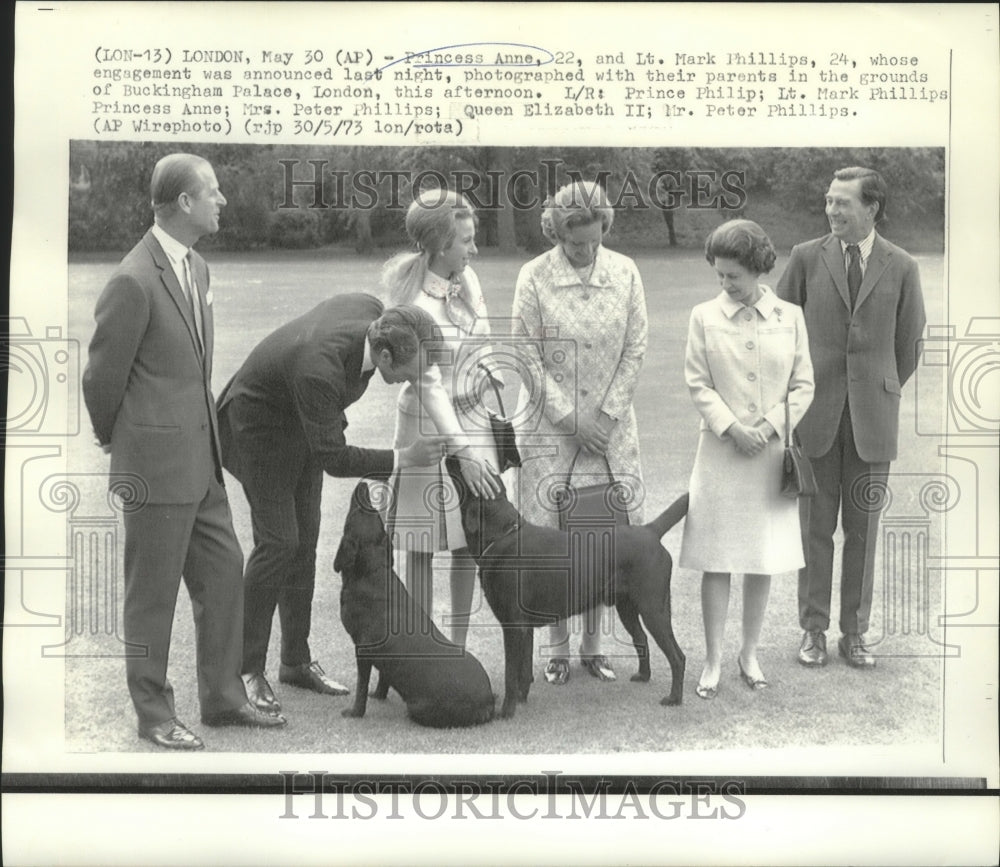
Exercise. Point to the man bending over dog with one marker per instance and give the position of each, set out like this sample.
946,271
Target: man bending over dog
281,420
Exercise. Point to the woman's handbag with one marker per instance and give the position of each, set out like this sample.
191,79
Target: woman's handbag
602,504
797,479
503,431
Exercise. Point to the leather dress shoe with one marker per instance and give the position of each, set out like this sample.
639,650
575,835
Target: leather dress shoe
812,651
310,675
259,693
171,735
246,716
852,648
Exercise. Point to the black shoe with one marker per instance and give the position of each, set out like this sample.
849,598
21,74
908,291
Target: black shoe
310,675
812,651
852,648
171,735
246,716
260,694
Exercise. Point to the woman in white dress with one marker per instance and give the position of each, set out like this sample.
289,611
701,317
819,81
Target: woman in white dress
584,310
747,356
424,516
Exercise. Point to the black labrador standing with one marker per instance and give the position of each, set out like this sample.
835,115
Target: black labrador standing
533,576
442,684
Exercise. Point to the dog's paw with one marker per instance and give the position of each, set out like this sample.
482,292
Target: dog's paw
669,700
640,677
352,713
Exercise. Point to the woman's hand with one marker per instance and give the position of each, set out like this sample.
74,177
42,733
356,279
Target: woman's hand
749,440
478,475
767,429
593,434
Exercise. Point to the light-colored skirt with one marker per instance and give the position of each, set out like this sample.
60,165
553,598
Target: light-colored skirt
423,513
738,521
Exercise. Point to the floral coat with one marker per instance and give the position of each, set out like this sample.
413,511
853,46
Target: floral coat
583,342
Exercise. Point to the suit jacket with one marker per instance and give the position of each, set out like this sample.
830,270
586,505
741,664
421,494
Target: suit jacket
288,398
147,385
862,356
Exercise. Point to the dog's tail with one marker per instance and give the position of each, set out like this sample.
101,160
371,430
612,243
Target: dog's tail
675,511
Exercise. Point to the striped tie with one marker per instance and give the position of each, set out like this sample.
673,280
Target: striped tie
853,272
191,290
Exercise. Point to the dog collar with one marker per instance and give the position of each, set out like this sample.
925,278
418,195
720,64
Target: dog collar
513,529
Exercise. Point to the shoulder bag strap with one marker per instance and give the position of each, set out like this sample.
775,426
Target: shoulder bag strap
496,391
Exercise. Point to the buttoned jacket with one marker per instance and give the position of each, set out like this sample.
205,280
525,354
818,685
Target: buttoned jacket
147,384
861,356
742,363
591,333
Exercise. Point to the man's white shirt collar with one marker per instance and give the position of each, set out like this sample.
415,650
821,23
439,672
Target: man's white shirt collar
174,249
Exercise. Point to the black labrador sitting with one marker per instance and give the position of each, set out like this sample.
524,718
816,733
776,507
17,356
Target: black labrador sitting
532,576
442,684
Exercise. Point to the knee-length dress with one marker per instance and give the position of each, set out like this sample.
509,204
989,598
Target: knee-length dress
742,364
585,334
423,514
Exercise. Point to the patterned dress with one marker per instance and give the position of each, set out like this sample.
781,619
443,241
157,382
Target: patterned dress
424,515
584,340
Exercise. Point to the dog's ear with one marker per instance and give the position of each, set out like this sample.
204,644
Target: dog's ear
362,496
346,555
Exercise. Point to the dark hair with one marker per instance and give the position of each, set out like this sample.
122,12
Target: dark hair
576,204
873,187
173,175
402,331
744,241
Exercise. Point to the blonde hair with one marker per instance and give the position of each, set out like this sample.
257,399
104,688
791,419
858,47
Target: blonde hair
577,204
431,226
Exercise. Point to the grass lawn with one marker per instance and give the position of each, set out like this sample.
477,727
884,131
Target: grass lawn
898,703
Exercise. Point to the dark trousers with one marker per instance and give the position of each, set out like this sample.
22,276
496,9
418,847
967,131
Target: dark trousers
162,544
852,488
281,570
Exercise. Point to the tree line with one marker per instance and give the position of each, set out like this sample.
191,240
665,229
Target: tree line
302,197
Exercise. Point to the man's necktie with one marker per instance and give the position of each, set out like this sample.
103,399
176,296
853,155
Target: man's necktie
853,272
191,290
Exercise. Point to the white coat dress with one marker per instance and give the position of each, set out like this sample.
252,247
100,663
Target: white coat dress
742,364
424,514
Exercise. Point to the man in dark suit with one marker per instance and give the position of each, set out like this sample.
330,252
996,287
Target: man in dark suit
282,426
147,386
864,314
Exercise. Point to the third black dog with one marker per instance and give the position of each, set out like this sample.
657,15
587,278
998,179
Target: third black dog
531,577
442,684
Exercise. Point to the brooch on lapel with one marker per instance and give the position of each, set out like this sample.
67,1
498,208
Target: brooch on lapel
777,312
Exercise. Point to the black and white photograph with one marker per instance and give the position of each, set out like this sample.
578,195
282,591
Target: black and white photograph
427,429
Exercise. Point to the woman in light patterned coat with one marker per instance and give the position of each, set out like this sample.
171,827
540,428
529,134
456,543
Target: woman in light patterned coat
582,311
